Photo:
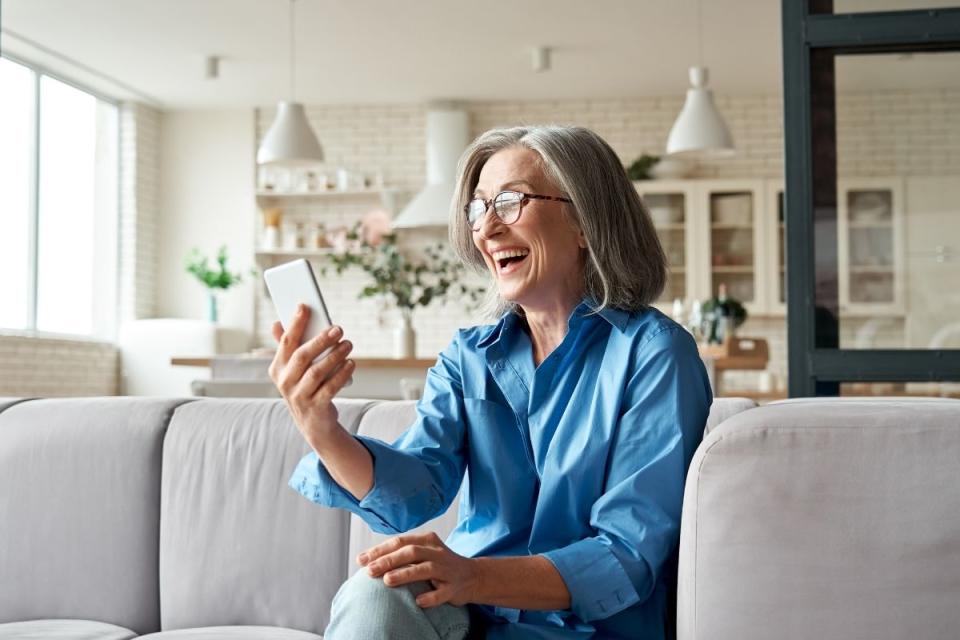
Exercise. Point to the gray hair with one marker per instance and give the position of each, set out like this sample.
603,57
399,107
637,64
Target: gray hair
626,267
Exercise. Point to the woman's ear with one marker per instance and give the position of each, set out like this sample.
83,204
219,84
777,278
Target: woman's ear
581,240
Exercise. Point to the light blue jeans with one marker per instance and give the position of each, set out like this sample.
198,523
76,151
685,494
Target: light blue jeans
367,609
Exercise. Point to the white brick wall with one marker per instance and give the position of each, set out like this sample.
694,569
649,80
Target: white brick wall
47,367
879,134
139,198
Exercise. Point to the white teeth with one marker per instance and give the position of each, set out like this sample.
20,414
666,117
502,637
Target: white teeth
511,253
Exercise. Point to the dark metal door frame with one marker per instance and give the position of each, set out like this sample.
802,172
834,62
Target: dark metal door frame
812,36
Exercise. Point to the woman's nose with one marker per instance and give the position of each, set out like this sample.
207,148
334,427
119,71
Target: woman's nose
490,224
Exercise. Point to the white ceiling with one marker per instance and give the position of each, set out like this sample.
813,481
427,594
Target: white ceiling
367,51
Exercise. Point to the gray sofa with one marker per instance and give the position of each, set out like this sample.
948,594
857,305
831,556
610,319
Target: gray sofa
157,518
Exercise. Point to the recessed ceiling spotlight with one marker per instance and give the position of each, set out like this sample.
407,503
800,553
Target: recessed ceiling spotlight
211,67
540,59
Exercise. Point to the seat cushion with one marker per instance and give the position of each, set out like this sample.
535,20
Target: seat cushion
234,633
63,630
237,545
80,510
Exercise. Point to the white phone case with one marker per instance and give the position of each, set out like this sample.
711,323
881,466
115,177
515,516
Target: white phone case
290,284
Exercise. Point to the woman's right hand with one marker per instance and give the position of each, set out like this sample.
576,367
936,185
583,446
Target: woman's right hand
309,387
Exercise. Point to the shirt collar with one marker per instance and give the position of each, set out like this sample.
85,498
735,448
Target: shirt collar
616,317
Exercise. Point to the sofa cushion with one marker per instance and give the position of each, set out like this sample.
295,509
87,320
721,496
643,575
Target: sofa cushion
63,630
824,519
80,509
237,546
233,633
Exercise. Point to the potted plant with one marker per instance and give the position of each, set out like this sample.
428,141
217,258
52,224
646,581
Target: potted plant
214,279
401,280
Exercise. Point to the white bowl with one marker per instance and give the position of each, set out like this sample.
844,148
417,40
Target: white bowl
670,168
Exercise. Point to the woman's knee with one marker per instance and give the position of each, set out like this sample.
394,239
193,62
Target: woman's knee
365,607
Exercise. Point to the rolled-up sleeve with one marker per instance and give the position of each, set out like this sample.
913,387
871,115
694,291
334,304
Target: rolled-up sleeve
637,519
417,476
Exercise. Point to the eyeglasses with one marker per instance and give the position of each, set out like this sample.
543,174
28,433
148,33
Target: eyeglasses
506,204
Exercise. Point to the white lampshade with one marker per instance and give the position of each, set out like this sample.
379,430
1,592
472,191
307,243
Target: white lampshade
290,141
699,129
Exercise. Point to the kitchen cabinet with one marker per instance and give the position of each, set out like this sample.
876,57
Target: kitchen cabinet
713,232
870,247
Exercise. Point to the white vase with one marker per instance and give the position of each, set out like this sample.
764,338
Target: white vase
404,337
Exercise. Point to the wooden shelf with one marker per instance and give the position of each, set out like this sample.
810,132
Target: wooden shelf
332,193
862,224
879,269
741,269
719,226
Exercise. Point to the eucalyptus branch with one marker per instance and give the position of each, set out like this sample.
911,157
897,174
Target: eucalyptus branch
406,282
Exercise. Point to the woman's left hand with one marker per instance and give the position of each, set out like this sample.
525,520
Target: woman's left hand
409,558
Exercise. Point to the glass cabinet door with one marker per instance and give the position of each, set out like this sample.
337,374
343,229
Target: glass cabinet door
669,214
870,275
732,225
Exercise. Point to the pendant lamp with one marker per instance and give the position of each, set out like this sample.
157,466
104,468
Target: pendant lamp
699,130
290,142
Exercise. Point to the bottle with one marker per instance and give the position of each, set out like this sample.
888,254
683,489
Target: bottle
695,323
724,314
677,311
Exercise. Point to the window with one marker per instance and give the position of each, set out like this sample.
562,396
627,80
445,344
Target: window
58,205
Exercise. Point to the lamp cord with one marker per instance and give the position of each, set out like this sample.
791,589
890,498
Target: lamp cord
699,34
293,46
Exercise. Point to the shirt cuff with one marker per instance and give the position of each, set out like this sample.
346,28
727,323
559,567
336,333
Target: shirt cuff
312,480
598,584
401,485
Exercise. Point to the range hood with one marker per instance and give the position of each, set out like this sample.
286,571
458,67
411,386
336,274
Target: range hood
447,137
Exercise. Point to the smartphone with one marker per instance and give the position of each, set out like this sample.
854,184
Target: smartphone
293,283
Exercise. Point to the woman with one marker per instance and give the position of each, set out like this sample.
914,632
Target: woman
575,417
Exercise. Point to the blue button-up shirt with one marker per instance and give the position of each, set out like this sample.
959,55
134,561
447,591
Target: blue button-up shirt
581,459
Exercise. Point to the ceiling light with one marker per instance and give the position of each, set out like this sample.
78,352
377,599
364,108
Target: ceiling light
290,141
699,129
540,59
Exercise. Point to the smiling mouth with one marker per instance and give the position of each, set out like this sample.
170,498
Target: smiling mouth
508,261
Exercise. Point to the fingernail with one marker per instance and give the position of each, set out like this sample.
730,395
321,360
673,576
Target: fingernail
362,559
335,331
301,308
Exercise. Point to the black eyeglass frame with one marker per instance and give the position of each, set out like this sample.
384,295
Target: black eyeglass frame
524,197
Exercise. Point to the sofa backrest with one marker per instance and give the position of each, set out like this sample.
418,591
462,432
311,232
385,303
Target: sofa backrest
237,545
824,519
80,509
388,420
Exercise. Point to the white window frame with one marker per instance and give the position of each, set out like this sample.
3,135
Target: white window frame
33,223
